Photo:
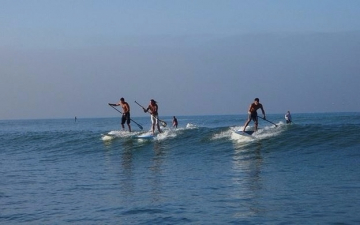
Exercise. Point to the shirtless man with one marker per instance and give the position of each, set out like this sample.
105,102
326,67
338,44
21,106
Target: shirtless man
153,107
126,112
253,114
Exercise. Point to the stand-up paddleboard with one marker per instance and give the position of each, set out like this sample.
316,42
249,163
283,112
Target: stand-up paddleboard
240,133
145,136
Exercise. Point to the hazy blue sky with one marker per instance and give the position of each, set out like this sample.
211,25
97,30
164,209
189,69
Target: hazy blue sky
64,58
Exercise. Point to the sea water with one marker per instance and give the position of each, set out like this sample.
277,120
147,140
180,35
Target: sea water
62,171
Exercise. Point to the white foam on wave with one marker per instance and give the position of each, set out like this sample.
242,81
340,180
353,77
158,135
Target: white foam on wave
222,134
262,133
166,133
268,131
107,138
121,133
191,126
118,134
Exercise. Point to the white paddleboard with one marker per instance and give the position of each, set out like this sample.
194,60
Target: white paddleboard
240,133
145,136
116,134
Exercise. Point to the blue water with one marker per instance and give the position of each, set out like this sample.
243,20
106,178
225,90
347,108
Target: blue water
66,172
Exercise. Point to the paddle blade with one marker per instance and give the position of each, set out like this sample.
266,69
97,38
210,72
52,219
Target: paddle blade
137,124
163,123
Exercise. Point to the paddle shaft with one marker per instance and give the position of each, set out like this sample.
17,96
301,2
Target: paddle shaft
130,118
139,105
268,121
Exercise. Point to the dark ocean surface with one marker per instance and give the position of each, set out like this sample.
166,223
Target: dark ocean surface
60,171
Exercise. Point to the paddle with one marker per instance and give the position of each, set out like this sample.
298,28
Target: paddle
163,123
130,119
268,121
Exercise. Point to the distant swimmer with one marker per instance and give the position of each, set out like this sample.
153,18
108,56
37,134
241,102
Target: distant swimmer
125,114
253,113
175,122
288,117
75,119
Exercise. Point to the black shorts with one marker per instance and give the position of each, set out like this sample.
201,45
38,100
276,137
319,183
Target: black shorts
125,118
253,116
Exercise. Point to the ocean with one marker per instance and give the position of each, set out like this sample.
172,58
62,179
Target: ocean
58,171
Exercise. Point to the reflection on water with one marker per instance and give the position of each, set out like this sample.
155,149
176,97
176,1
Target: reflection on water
141,167
127,181
247,162
157,172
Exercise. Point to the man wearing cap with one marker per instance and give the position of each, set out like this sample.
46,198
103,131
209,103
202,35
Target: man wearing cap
125,114
153,107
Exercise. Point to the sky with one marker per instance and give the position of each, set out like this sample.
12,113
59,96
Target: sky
60,59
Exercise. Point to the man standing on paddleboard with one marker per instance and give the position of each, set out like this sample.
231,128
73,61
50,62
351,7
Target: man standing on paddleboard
125,114
253,113
175,122
153,107
288,117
